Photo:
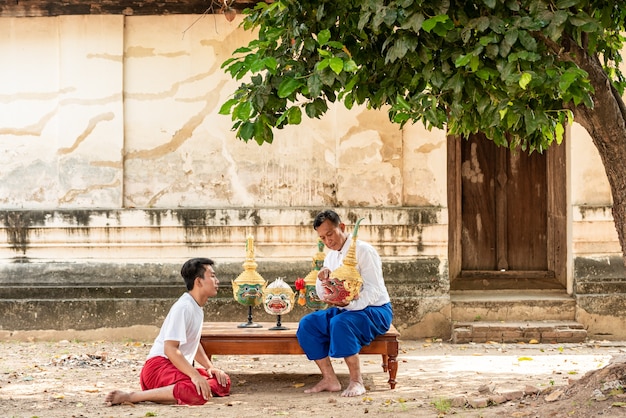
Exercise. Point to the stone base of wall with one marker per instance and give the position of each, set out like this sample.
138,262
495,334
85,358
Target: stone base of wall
603,315
600,291
90,296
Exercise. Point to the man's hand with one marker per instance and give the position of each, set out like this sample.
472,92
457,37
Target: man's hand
202,386
324,274
324,277
220,376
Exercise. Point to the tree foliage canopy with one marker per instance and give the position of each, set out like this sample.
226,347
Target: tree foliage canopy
507,68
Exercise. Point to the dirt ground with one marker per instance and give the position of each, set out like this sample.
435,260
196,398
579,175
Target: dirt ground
70,378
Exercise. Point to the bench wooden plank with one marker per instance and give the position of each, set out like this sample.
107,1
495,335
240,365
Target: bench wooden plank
228,338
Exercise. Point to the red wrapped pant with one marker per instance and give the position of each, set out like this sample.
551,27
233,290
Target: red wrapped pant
159,372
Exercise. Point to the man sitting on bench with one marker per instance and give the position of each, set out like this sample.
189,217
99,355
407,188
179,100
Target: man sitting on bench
168,376
341,330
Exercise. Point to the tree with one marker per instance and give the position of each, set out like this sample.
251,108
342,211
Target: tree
517,70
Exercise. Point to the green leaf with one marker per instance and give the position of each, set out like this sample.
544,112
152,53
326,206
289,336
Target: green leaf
442,29
243,111
352,82
462,61
228,61
524,80
314,85
400,47
225,109
323,37
288,86
271,64
559,131
262,132
327,78
336,64
414,22
320,66
530,121
483,74
474,63
403,103
242,50
390,16
246,130
257,65
294,115
565,4
335,44
482,23
316,108
566,80
527,41
350,66
431,23
364,19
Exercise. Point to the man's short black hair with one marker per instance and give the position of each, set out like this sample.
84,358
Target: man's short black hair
194,268
328,214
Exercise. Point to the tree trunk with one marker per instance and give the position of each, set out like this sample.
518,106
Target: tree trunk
606,124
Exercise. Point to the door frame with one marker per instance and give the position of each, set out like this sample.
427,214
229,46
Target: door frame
556,242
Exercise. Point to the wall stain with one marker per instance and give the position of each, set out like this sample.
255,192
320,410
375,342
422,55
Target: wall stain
18,225
584,210
373,121
37,97
72,194
108,57
32,130
107,164
254,215
196,223
156,216
143,52
183,134
93,122
173,90
155,198
428,148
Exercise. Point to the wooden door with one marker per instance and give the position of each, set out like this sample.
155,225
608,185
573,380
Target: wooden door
504,219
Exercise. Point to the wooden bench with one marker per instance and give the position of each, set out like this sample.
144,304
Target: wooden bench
227,338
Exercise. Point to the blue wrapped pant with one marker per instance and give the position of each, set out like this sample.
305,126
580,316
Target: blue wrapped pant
340,333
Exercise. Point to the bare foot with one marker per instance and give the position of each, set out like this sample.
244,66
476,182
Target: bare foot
354,389
117,397
328,385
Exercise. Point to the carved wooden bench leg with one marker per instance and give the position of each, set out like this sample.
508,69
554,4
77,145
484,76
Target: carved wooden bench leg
385,363
392,364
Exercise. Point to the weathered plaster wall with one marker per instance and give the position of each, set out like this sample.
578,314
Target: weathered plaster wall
593,230
118,167
598,273
61,112
111,111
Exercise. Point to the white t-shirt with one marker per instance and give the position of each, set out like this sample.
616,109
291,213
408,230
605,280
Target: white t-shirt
183,323
374,292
